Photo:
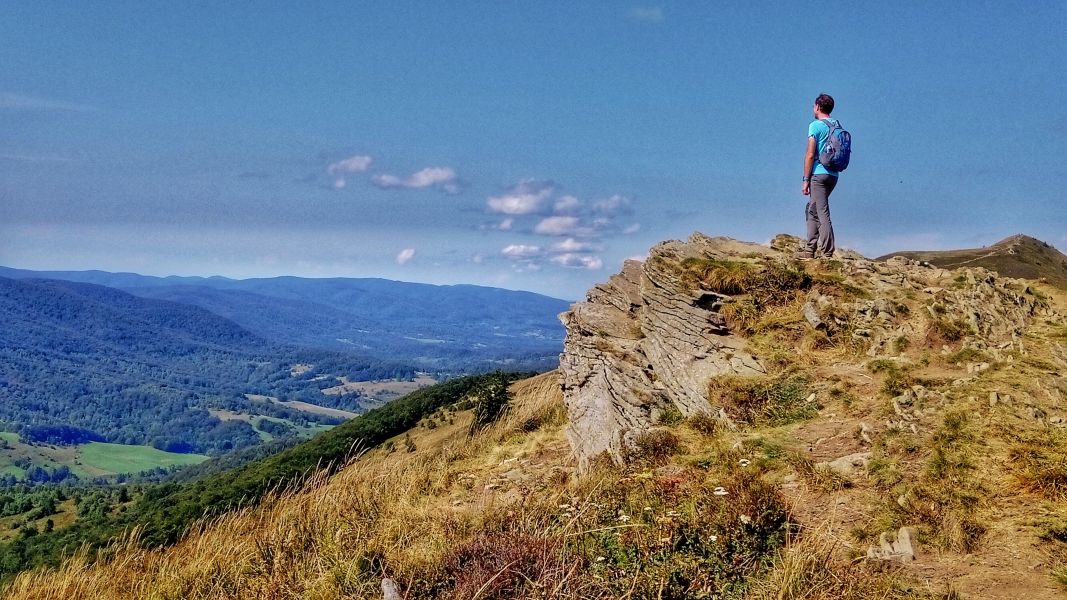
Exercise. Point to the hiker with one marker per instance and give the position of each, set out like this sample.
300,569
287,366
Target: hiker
819,181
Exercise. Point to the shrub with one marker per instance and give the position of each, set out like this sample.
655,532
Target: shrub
705,423
502,565
897,378
942,330
775,400
491,400
656,446
670,415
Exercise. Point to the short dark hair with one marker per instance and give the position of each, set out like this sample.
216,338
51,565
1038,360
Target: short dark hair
825,103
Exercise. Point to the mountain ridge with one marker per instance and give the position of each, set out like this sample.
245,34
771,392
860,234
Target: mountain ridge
1017,255
436,327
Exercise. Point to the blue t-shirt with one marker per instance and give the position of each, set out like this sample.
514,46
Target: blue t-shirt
820,131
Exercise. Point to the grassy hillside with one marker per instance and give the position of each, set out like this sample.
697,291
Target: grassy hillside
1017,256
165,511
831,456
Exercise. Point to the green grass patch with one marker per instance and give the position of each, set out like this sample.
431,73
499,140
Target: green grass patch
774,401
897,378
120,458
946,501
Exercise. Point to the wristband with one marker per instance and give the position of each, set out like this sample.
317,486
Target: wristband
807,179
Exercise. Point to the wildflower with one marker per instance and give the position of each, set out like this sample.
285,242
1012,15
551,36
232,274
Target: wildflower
648,509
713,538
672,513
744,462
720,491
601,558
624,518
745,519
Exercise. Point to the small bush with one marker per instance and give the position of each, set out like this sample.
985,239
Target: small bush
705,423
897,378
942,331
764,400
491,400
502,565
900,344
656,446
966,355
669,416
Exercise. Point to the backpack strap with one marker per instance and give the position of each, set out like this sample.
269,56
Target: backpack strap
831,124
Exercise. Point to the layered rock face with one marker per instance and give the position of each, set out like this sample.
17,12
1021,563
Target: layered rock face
647,341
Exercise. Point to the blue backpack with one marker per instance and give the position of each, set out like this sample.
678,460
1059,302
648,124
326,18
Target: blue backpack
838,147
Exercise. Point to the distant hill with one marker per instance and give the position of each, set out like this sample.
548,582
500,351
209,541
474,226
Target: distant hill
456,327
1016,256
81,362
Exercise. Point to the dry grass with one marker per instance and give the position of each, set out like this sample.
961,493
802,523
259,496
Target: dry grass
764,400
335,538
819,477
430,521
814,565
1040,464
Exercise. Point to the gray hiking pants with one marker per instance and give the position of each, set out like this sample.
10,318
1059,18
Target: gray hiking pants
820,238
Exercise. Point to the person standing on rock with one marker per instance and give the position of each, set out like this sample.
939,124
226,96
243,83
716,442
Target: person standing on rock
818,183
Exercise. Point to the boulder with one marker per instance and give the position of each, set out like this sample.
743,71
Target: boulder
645,342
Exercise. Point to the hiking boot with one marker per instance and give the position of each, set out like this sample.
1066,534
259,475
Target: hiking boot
804,255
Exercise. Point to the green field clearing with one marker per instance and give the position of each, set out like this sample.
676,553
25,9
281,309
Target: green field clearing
120,458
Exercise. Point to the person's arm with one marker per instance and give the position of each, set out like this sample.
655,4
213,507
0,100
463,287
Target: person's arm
809,163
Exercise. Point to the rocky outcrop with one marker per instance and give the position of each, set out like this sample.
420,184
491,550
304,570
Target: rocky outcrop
649,339
646,342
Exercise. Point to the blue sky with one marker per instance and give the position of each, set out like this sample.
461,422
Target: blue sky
522,145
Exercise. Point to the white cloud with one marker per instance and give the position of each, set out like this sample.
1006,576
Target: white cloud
613,205
352,164
572,245
558,226
578,261
339,183
521,251
646,14
21,102
632,228
506,224
523,198
405,256
443,177
566,205
638,257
